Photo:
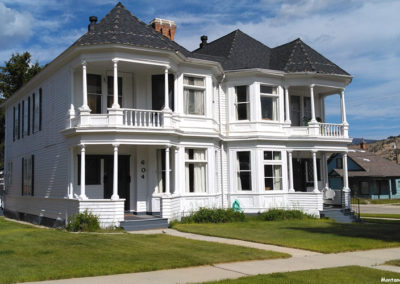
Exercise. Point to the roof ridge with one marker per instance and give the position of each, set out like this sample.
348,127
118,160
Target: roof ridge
233,42
291,53
306,54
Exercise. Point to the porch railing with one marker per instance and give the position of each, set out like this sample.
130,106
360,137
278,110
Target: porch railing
331,129
143,118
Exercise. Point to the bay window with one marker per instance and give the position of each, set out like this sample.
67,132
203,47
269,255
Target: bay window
243,170
195,170
269,102
242,103
272,170
194,95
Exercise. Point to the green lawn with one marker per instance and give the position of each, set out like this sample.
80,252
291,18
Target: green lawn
394,262
319,235
346,274
28,253
393,216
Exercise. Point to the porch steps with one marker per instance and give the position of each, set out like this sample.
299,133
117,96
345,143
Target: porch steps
339,215
146,222
1,212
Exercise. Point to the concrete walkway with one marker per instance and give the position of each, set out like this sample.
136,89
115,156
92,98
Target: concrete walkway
301,260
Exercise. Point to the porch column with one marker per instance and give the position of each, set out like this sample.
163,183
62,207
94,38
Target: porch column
166,93
287,119
325,170
291,187
313,120
115,102
115,173
345,174
176,171
167,171
314,156
71,173
343,107
84,106
83,182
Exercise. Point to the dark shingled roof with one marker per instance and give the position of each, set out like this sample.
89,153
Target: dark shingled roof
240,51
119,26
372,165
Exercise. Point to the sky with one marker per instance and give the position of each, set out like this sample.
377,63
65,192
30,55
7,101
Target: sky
361,36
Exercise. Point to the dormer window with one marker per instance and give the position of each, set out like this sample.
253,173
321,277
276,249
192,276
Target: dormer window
194,90
269,102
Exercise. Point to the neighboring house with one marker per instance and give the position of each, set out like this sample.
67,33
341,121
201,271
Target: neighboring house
370,176
126,119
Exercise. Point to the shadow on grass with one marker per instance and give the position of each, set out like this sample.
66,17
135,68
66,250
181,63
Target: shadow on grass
382,232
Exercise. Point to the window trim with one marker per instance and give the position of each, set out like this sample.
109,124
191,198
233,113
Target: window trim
201,162
274,97
247,102
25,161
272,162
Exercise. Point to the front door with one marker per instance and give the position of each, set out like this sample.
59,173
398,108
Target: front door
123,178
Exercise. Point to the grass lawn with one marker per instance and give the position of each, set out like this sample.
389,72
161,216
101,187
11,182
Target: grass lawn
394,216
345,274
319,235
28,253
394,262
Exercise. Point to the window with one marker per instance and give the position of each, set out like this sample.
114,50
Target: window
307,110
19,121
37,111
92,170
110,91
195,170
161,170
28,120
94,92
244,170
339,163
15,123
194,90
272,170
309,167
364,188
23,118
27,175
269,102
242,103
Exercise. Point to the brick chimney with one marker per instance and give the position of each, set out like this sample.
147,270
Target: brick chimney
166,27
363,145
93,21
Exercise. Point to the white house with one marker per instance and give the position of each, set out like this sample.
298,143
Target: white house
127,120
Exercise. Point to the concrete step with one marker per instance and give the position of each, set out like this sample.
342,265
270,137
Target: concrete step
144,224
339,215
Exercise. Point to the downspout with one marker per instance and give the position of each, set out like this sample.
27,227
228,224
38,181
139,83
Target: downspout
221,142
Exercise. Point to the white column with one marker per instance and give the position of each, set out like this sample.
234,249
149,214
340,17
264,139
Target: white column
166,93
345,174
83,182
71,173
325,169
115,102
176,171
115,174
343,107
291,186
287,119
167,171
313,120
314,156
84,88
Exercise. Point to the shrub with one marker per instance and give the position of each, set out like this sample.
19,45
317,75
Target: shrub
206,215
83,222
280,214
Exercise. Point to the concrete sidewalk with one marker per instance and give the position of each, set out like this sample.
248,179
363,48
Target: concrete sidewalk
379,209
301,260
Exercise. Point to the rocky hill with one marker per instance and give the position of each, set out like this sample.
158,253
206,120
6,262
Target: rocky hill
384,148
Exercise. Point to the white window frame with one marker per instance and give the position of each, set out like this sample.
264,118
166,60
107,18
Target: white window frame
204,162
238,171
273,163
195,88
247,102
275,98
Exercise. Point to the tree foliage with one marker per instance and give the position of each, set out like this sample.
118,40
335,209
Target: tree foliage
15,73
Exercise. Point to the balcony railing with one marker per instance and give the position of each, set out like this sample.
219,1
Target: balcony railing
331,129
143,118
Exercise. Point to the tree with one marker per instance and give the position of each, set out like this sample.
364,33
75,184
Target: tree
16,73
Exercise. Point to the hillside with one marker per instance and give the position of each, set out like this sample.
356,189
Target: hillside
383,148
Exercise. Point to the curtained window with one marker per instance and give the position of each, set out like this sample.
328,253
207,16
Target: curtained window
195,170
243,164
269,102
242,103
272,170
194,90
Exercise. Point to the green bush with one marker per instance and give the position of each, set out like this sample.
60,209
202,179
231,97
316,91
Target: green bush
206,215
83,222
280,214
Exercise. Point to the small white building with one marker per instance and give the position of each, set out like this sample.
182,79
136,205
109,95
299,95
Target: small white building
127,120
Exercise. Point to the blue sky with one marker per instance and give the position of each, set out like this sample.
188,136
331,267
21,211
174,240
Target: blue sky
362,37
